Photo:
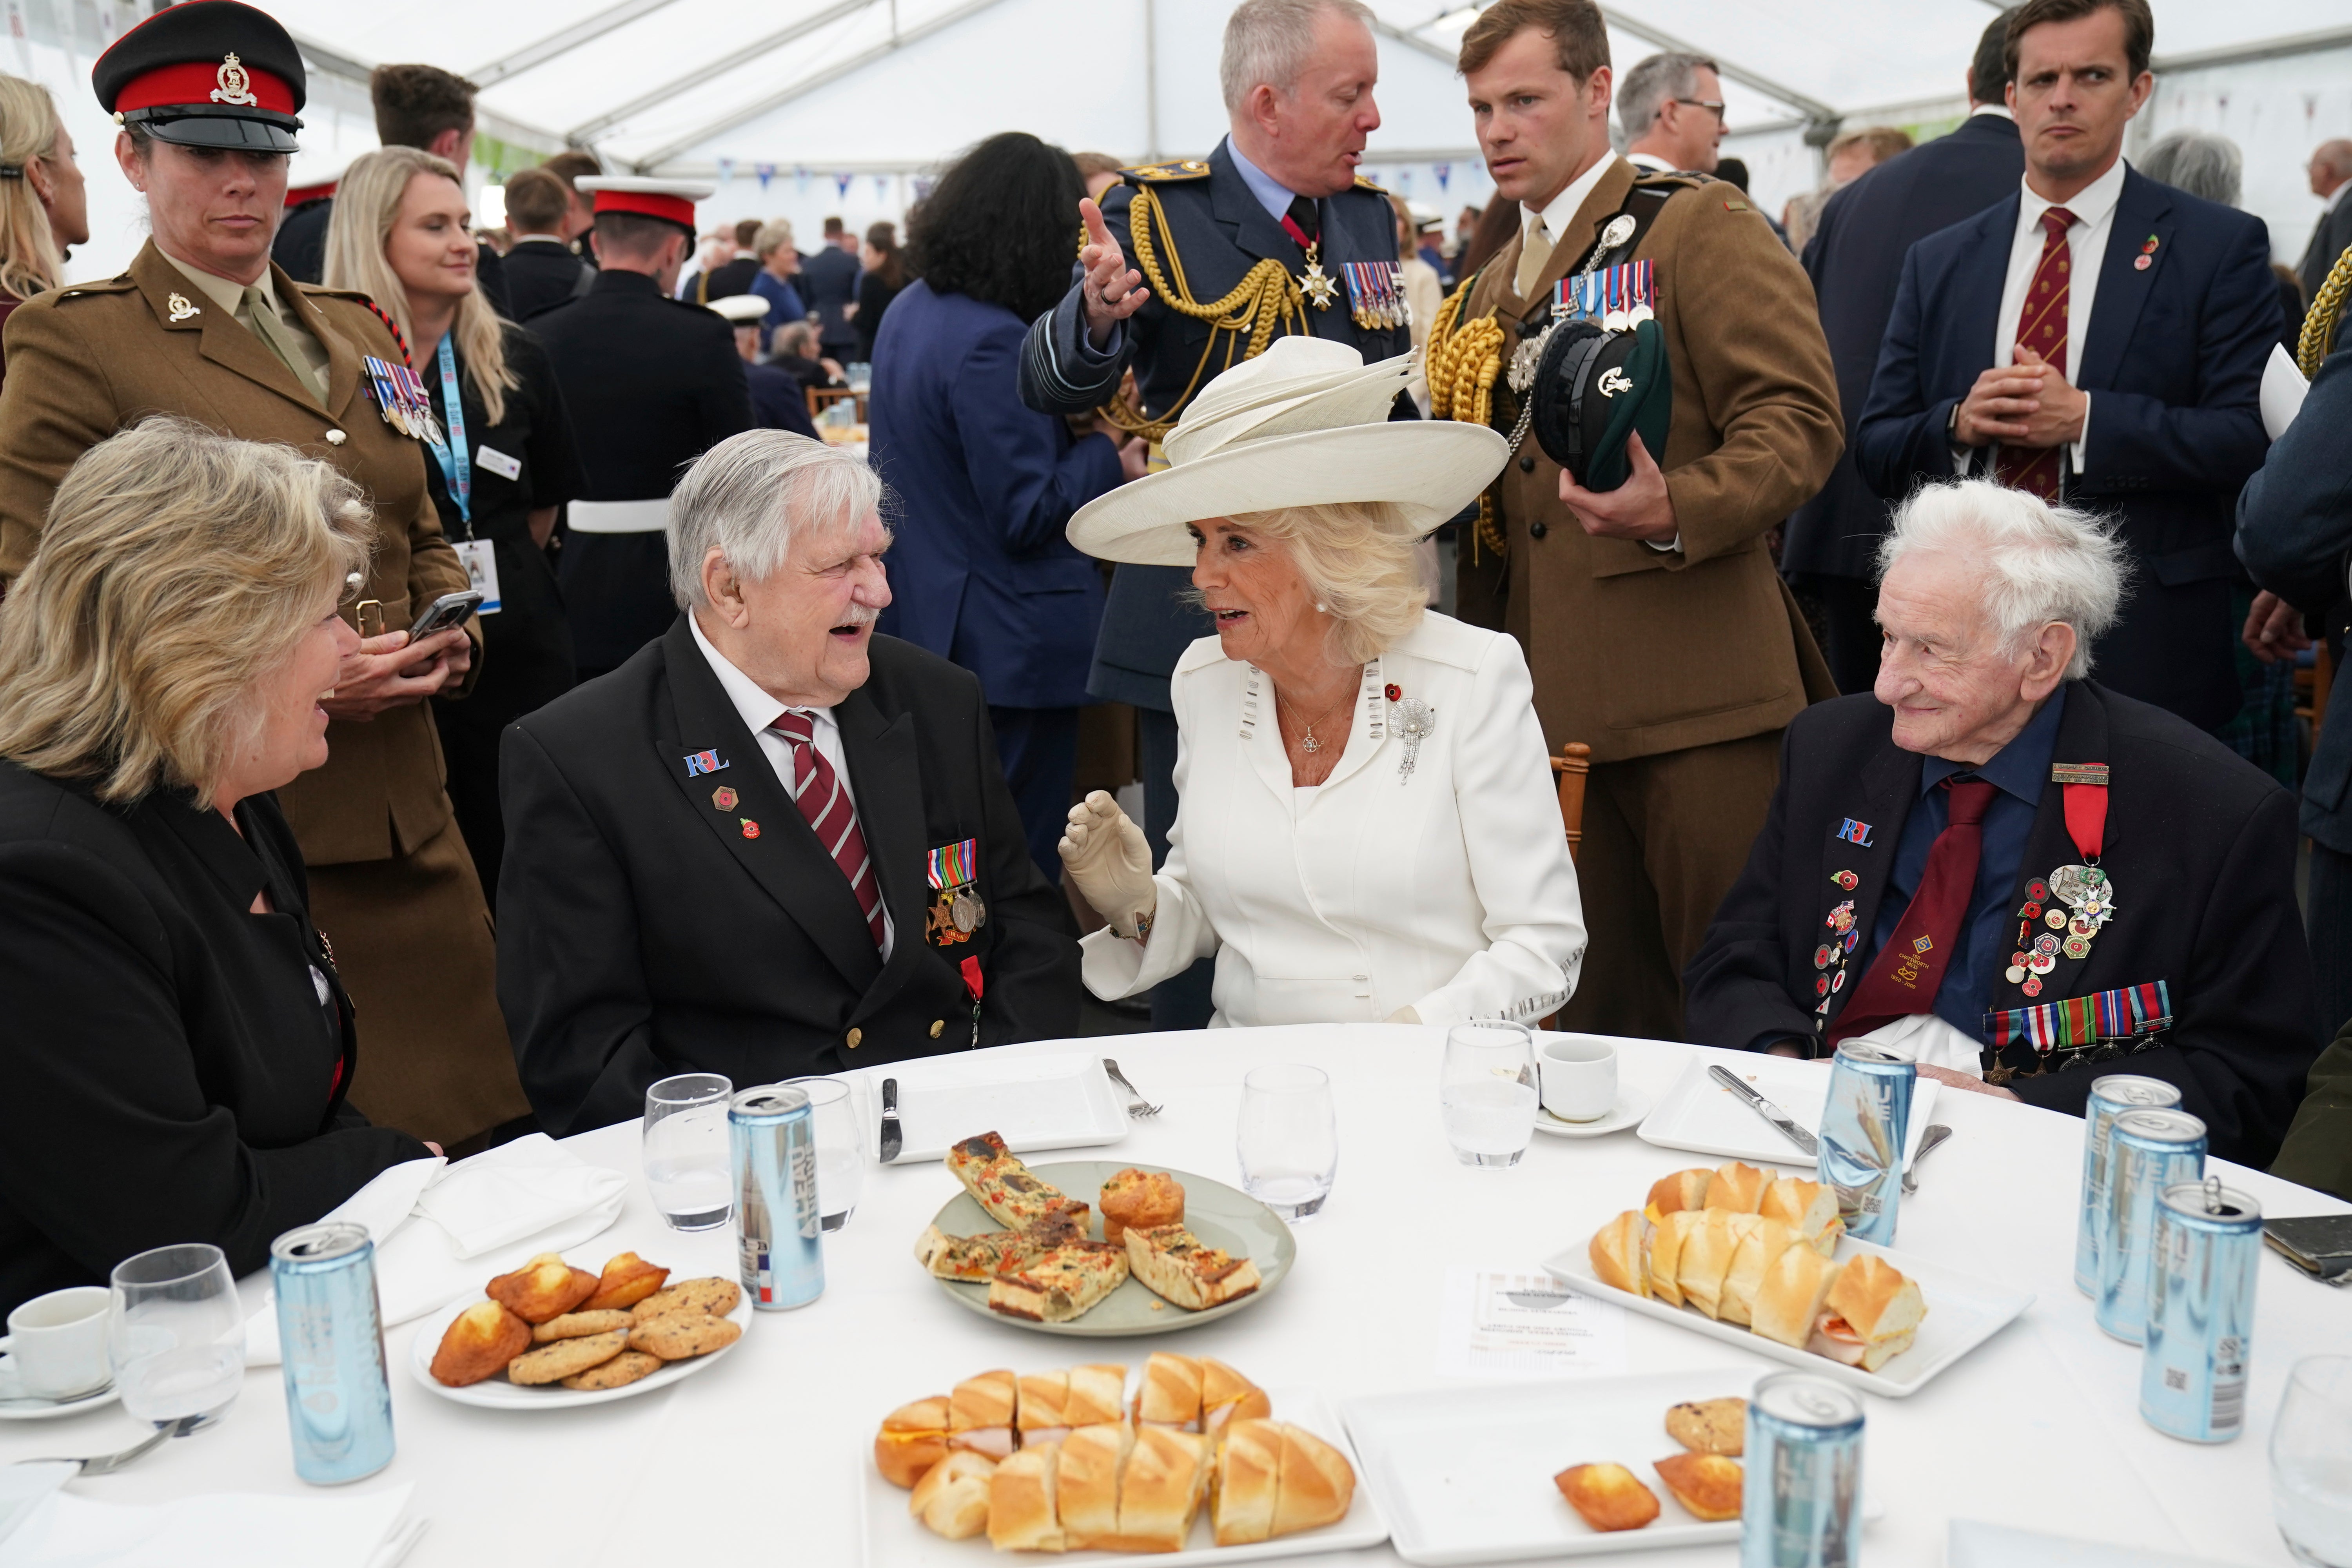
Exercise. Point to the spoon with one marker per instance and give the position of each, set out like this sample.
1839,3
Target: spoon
1936,1132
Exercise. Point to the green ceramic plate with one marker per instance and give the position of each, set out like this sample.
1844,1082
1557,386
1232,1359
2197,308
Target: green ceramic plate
1219,1215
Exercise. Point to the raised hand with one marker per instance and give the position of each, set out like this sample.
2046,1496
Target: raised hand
1111,290
1110,862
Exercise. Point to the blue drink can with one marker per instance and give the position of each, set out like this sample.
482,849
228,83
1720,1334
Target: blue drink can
1800,1502
2200,1311
1864,1125
331,1331
2110,1096
2149,1151
771,1136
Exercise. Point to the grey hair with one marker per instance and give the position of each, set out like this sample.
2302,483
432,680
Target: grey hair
751,495
793,332
1652,83
2040,563
776,231
1268,41
2197,162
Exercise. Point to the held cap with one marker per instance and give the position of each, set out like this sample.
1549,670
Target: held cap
1595,388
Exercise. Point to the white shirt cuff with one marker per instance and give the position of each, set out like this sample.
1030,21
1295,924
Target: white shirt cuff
1672,546
2075,449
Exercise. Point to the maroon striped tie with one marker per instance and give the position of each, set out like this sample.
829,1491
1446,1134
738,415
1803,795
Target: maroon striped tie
2041,327
816,789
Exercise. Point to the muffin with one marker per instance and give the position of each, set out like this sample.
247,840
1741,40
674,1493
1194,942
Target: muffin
1141,1200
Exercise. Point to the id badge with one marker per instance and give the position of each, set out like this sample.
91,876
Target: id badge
481,560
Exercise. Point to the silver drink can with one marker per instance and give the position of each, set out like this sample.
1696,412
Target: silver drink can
331,1332
1864,1123
2149,1151
1800,1502
2110,1096
771,1136
2200,1311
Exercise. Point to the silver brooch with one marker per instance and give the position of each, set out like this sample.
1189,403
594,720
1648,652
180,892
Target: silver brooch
1620,229
1416,720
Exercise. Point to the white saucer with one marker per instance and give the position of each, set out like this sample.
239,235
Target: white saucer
1632,1104
27,1408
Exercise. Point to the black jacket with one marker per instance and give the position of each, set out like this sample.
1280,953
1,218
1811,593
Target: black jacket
645,929
173,1072
2200,848
829,284
541,275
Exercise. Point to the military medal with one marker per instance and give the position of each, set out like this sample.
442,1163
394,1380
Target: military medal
1375,294
957,911
1318,285
1416,720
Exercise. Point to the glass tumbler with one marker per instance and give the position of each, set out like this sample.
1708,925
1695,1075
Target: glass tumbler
837,1109
1487,1092
176,1336
1288,1141
2311,1462
685,1153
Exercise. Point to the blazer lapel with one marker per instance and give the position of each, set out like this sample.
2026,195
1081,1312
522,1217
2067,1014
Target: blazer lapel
1857,857
886,777
342,354
226,342
1976,298
1367,727
2143,212
1233,205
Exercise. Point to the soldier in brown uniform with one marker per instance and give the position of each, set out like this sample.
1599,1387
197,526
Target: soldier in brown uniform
1657,629
203,325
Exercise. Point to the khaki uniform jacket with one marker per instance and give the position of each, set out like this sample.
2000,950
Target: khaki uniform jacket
1637,651
88,360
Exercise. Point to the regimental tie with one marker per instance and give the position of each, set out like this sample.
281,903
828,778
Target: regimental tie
1904,976
817,790
2041,327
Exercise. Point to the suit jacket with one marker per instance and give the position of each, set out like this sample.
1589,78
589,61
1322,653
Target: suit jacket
2174,366
2199,847
1217,231
543,274
1855,260
778,400
2330,236
1755,431
645,929
981,574
92,358
829,283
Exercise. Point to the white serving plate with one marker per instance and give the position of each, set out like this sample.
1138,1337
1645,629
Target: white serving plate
1701,1115
1032,1102
895,1538
1465,1475
1963,1312
18,1405
498,1393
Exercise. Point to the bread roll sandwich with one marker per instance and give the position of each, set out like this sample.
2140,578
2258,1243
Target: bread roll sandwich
1316,1485
951,1499
1097,1394
1869,1316
1765,1240
1040,1418
979,1414
1683,1190
1619,1252
1170,1395
1092,1461
1738,1186
1160,1491
1667,1252
1708,1484
1022,1510
1226,1395
1705,1259
914,1438
1809,1206
1249,1470
1788,1298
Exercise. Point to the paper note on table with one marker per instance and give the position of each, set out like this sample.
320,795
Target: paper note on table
1513,1323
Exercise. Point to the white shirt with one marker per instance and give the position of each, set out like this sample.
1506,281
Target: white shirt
1561,211
758,712
1651,162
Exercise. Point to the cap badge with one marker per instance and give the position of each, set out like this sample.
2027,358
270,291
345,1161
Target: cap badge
1613,381
178,306
235,86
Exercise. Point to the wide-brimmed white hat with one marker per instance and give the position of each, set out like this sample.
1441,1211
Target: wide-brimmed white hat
1304,424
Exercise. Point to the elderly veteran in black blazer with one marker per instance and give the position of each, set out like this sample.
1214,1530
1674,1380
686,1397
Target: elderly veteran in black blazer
2032,876
178,1048
773,843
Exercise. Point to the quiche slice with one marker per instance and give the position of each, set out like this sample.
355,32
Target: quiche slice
991,1253
1061,1284
1173,1263
1010,1192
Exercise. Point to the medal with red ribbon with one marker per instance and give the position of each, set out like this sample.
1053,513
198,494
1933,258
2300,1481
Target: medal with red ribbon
2074,901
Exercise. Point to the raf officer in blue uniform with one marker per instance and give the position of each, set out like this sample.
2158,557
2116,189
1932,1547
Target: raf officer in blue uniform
1273,233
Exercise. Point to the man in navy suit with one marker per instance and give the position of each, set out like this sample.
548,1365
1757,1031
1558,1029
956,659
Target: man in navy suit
1855,260
2098,338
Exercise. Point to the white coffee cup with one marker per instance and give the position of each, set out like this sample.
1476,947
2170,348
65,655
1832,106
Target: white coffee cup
56,1346
1579,1076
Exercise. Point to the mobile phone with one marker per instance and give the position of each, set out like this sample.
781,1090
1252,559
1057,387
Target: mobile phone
444,613
2319,1244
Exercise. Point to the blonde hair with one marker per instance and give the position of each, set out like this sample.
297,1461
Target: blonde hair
367,204
179,567
29,262
1357,559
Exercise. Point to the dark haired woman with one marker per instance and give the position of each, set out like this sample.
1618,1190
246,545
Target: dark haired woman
882,273
982,573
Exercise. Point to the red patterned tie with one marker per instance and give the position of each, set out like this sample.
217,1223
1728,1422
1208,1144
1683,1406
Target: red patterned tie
2041,327
1909,969
816,789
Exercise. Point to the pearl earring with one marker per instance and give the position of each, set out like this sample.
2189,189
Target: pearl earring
1324,608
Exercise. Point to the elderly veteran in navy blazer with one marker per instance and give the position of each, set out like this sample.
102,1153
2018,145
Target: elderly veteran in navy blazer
773,843
2028,874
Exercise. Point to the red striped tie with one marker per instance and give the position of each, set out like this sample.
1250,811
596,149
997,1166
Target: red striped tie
2041,327
816,789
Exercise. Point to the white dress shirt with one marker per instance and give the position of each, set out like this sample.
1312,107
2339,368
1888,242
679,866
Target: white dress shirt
1651,162
758,712
1555,214
1450,890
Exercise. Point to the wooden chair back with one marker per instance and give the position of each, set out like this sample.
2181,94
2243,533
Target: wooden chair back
1572,765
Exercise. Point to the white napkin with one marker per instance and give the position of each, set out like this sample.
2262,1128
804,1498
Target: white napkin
226,1529
24,1487
514,1191
2283,391
1927,1040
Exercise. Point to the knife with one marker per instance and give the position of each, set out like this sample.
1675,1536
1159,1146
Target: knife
892,1139
1767,1109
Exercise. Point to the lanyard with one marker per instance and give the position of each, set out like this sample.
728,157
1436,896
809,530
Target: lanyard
457,467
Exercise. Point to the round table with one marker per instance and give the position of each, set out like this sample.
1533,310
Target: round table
2039,1427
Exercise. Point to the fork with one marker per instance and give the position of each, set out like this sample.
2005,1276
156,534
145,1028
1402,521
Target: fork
107,1464
1136,1104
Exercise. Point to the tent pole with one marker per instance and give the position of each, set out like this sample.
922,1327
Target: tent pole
1150,82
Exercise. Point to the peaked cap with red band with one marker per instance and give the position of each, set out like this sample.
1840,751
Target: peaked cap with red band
671,200
209,73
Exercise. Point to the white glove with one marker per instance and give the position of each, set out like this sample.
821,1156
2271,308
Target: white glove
1111,864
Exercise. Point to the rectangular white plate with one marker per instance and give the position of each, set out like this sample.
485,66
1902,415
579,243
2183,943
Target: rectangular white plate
1701,1115
1032,1102
1963,1312
895,1539
1465,1475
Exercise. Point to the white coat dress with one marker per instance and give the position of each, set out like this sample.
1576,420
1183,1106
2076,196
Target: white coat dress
1449,888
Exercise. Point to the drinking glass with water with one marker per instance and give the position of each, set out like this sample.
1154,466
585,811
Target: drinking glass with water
686,1150
176,1336
839,1119
1288,1141
2311,1462
1487,1092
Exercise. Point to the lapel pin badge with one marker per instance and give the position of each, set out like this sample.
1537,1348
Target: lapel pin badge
750,828
1845,880
180,309
1853,832
724,798
703,763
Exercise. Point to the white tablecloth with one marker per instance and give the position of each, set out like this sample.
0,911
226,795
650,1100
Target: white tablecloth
2040,1427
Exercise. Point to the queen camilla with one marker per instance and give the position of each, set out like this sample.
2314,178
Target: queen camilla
1366,827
